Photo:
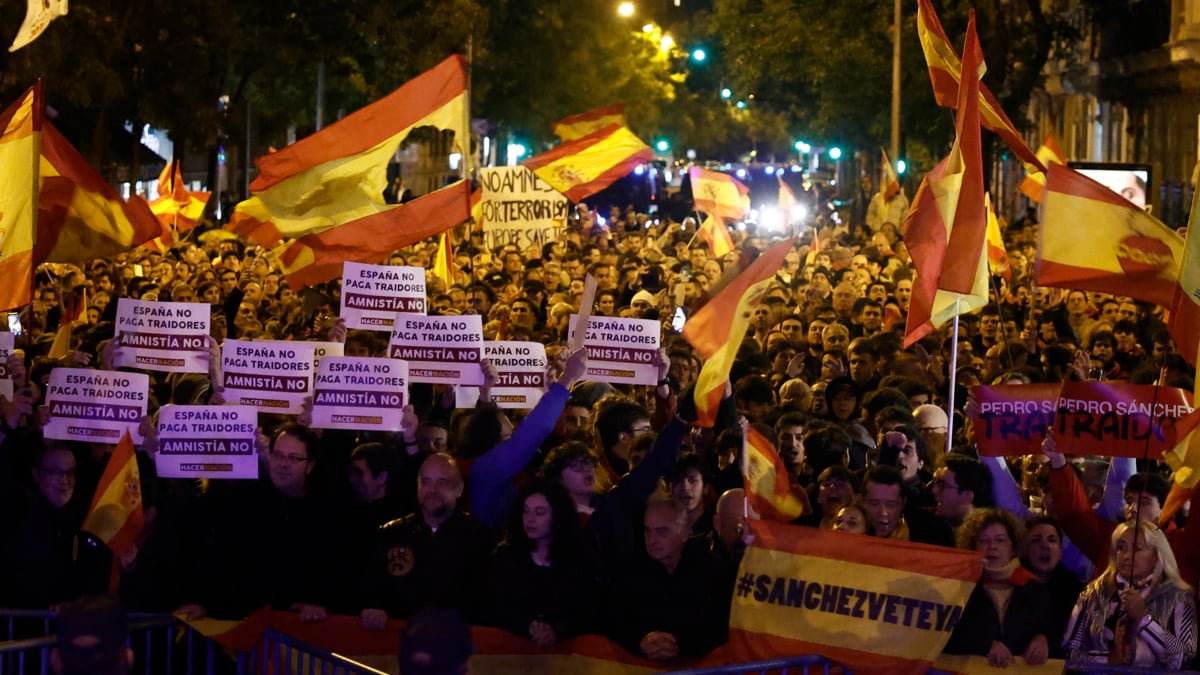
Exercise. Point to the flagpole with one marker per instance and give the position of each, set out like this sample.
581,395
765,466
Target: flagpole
467,155
953,379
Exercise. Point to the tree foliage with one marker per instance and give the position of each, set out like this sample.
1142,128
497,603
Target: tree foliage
827,66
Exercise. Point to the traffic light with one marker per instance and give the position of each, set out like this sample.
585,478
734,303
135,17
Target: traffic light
835,153
662,145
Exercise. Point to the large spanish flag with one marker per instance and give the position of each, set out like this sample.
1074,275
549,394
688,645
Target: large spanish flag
583,124
81,216
1094,239
20,138
338,174
582,167
717,329
945,71
874,605
946,226
718,194
1034,182
768,487
316,258
116,512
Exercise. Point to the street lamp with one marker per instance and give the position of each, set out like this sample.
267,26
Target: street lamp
698,55
901,166
625,9
726,92
666,43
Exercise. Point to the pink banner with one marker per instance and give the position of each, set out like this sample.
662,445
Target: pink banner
1115,419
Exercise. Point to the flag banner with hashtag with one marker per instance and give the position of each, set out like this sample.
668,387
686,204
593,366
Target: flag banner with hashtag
874,605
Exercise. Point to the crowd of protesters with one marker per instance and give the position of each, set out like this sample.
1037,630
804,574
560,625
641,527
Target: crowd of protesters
602,509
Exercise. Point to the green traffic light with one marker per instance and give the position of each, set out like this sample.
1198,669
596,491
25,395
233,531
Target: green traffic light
662,145
835,153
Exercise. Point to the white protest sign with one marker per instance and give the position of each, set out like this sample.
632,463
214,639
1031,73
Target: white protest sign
274,376
95,406
207,441
323,349
621,350
439,349
521,370
358,392
165,336
372,294
519,208
6,350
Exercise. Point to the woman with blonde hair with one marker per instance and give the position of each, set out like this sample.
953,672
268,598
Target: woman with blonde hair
1139,611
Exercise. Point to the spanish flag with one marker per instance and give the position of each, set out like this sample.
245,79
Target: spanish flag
945,71
716,234
20,138
1182,451
891,182
717,329
1035,181
338,175
316,258
443,262
877,606
787,199
236,635
176,206
719,195
997,255
768,487
1184,321
582,167
946,226
577,126
80,216
1123,249
116,513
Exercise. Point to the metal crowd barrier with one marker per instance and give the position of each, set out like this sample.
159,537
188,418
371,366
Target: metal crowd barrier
164,645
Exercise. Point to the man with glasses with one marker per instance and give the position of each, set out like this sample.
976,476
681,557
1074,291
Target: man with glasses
960,486
279,541
43,555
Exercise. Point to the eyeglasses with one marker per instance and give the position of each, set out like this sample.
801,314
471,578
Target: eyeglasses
289,459
69,474
642,429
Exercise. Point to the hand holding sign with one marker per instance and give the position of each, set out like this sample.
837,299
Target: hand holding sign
574,369
490,377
